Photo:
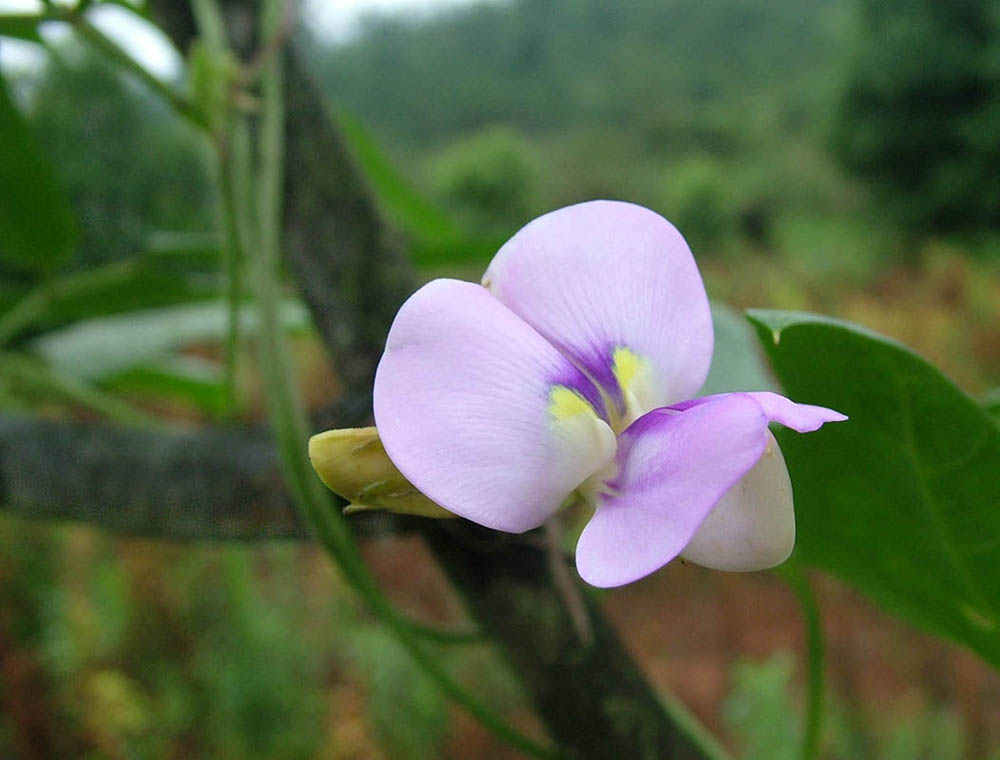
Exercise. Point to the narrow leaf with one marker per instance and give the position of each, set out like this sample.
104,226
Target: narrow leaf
37,229
20,26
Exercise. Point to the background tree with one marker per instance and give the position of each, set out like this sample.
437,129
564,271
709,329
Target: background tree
128,164
920,111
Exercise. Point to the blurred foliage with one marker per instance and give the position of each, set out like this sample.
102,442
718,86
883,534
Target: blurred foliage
125,648
709,112
130,166
762,714
760,709
920,111
491,177
697,199
554,63
36,225
134,655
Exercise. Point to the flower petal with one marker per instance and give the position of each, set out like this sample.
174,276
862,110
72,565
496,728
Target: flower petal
753,525
605,277
673,467
481,413
802,418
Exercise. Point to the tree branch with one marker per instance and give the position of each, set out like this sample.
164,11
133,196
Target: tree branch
205,483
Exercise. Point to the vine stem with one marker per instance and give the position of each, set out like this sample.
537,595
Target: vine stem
111,51
96,39
233,256
815,658
260,223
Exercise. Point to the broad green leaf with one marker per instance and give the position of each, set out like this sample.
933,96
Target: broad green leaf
991,403
903,500
37,228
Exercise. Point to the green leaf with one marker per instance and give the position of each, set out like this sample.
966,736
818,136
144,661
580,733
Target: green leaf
20,26
903,500
186,379
96,349
435,238
140,283
29,378
737,362
991,403
37,228
405,205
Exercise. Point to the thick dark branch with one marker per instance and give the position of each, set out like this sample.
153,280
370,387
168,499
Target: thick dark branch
180,484
208,484
350,269
592,697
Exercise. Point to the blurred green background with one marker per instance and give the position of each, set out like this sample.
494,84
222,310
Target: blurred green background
840,156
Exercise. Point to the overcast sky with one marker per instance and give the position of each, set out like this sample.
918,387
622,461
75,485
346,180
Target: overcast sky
335,20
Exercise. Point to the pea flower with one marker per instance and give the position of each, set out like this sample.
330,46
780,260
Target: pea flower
570,373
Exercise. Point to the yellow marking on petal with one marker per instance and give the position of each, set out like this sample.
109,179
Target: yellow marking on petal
565,403
588,443
636,378
626,365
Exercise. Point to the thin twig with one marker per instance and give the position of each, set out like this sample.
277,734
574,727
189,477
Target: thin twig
111,51
272,46
569,589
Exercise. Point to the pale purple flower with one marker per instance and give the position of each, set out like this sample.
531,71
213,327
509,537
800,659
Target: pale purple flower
571,370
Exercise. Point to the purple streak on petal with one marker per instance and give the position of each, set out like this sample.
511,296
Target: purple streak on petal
803,418
462,405
673,468
602,275
572,378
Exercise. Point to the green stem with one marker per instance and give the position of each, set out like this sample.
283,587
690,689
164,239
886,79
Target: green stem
287,414
24,313
233,255
212,33
815,658
211,25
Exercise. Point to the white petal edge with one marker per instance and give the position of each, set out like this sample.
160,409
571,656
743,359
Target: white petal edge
752,527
